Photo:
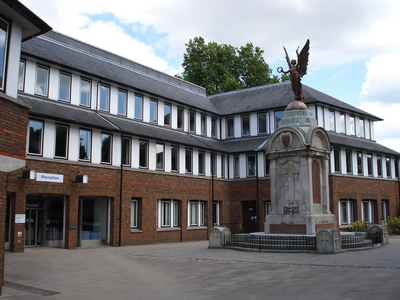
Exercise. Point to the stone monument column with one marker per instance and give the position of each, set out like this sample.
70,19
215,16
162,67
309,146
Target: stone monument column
298,152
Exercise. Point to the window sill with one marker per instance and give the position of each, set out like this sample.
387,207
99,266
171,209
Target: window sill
197,228
169,229
136,230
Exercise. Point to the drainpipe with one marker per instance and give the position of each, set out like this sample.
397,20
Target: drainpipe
212,187
120,193
258,195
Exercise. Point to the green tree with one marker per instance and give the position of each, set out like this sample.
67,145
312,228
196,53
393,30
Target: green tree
223,68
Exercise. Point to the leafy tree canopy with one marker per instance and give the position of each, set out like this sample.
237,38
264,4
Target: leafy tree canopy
223,68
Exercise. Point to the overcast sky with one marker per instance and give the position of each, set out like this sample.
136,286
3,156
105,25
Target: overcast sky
354,44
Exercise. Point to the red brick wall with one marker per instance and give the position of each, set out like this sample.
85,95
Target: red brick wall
363,188
13,129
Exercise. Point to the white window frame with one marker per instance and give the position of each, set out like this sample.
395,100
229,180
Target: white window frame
216,205
123,101
40,148
348,206
134,213
39,91
249,166
172,213
267,208
68,75
21,75
110,147
4,62
368,216
66,142
198,220
103,93
89,82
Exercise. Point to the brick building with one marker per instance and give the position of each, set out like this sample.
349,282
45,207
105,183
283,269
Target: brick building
121,154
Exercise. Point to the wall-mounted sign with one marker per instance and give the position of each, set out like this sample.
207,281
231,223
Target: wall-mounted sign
19,218
49,177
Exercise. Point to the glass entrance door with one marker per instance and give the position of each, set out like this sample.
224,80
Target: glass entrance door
33,227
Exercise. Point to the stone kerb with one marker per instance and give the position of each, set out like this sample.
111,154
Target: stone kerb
378,234
328,241
218,237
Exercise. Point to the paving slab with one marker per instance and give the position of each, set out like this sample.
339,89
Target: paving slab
192,271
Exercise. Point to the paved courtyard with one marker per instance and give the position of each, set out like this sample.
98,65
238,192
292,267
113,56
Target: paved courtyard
192,271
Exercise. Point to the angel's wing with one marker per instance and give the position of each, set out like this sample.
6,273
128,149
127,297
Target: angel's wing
287,57
302,59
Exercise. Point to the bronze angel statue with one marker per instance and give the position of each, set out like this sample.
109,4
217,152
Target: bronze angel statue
297,71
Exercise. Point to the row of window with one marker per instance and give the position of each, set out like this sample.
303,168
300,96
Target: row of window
35,145
354,163
369,211
347,124
168,215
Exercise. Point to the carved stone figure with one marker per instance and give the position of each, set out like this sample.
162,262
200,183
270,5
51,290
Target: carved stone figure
297,70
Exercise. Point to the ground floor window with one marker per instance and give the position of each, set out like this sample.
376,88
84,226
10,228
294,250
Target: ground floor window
168,213
94,221
135,213
216,205
196,216
267,208
346,212
385,209
368,211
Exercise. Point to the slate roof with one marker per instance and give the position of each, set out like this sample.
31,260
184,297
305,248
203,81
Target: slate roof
68,113
352,142
72,54
274,96
64,112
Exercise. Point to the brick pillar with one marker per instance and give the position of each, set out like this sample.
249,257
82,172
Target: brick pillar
71,224
17,238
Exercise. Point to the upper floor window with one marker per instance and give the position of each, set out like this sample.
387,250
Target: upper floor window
159,156
245,125
153,110
251,165
167,114
192,121
122,99
64,86
86,87
369,164
379,165
85,142
352,126
331,120
21,75
61,141
174,159
262,123
267,166
360,129
213,127
336,154
188,161
388,167
143,153
3,51
342,125
367,129
201,163
180,118
106,146
349,162
236,170
213,158
230,127
359,163
104,97
126,151
278,117
203,124
222,166
138,106
35,137
42,80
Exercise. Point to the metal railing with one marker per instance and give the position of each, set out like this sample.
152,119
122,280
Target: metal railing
358,240
279,242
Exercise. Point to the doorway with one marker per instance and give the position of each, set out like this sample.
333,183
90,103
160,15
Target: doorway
34,225
44,220
250,222
93,221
